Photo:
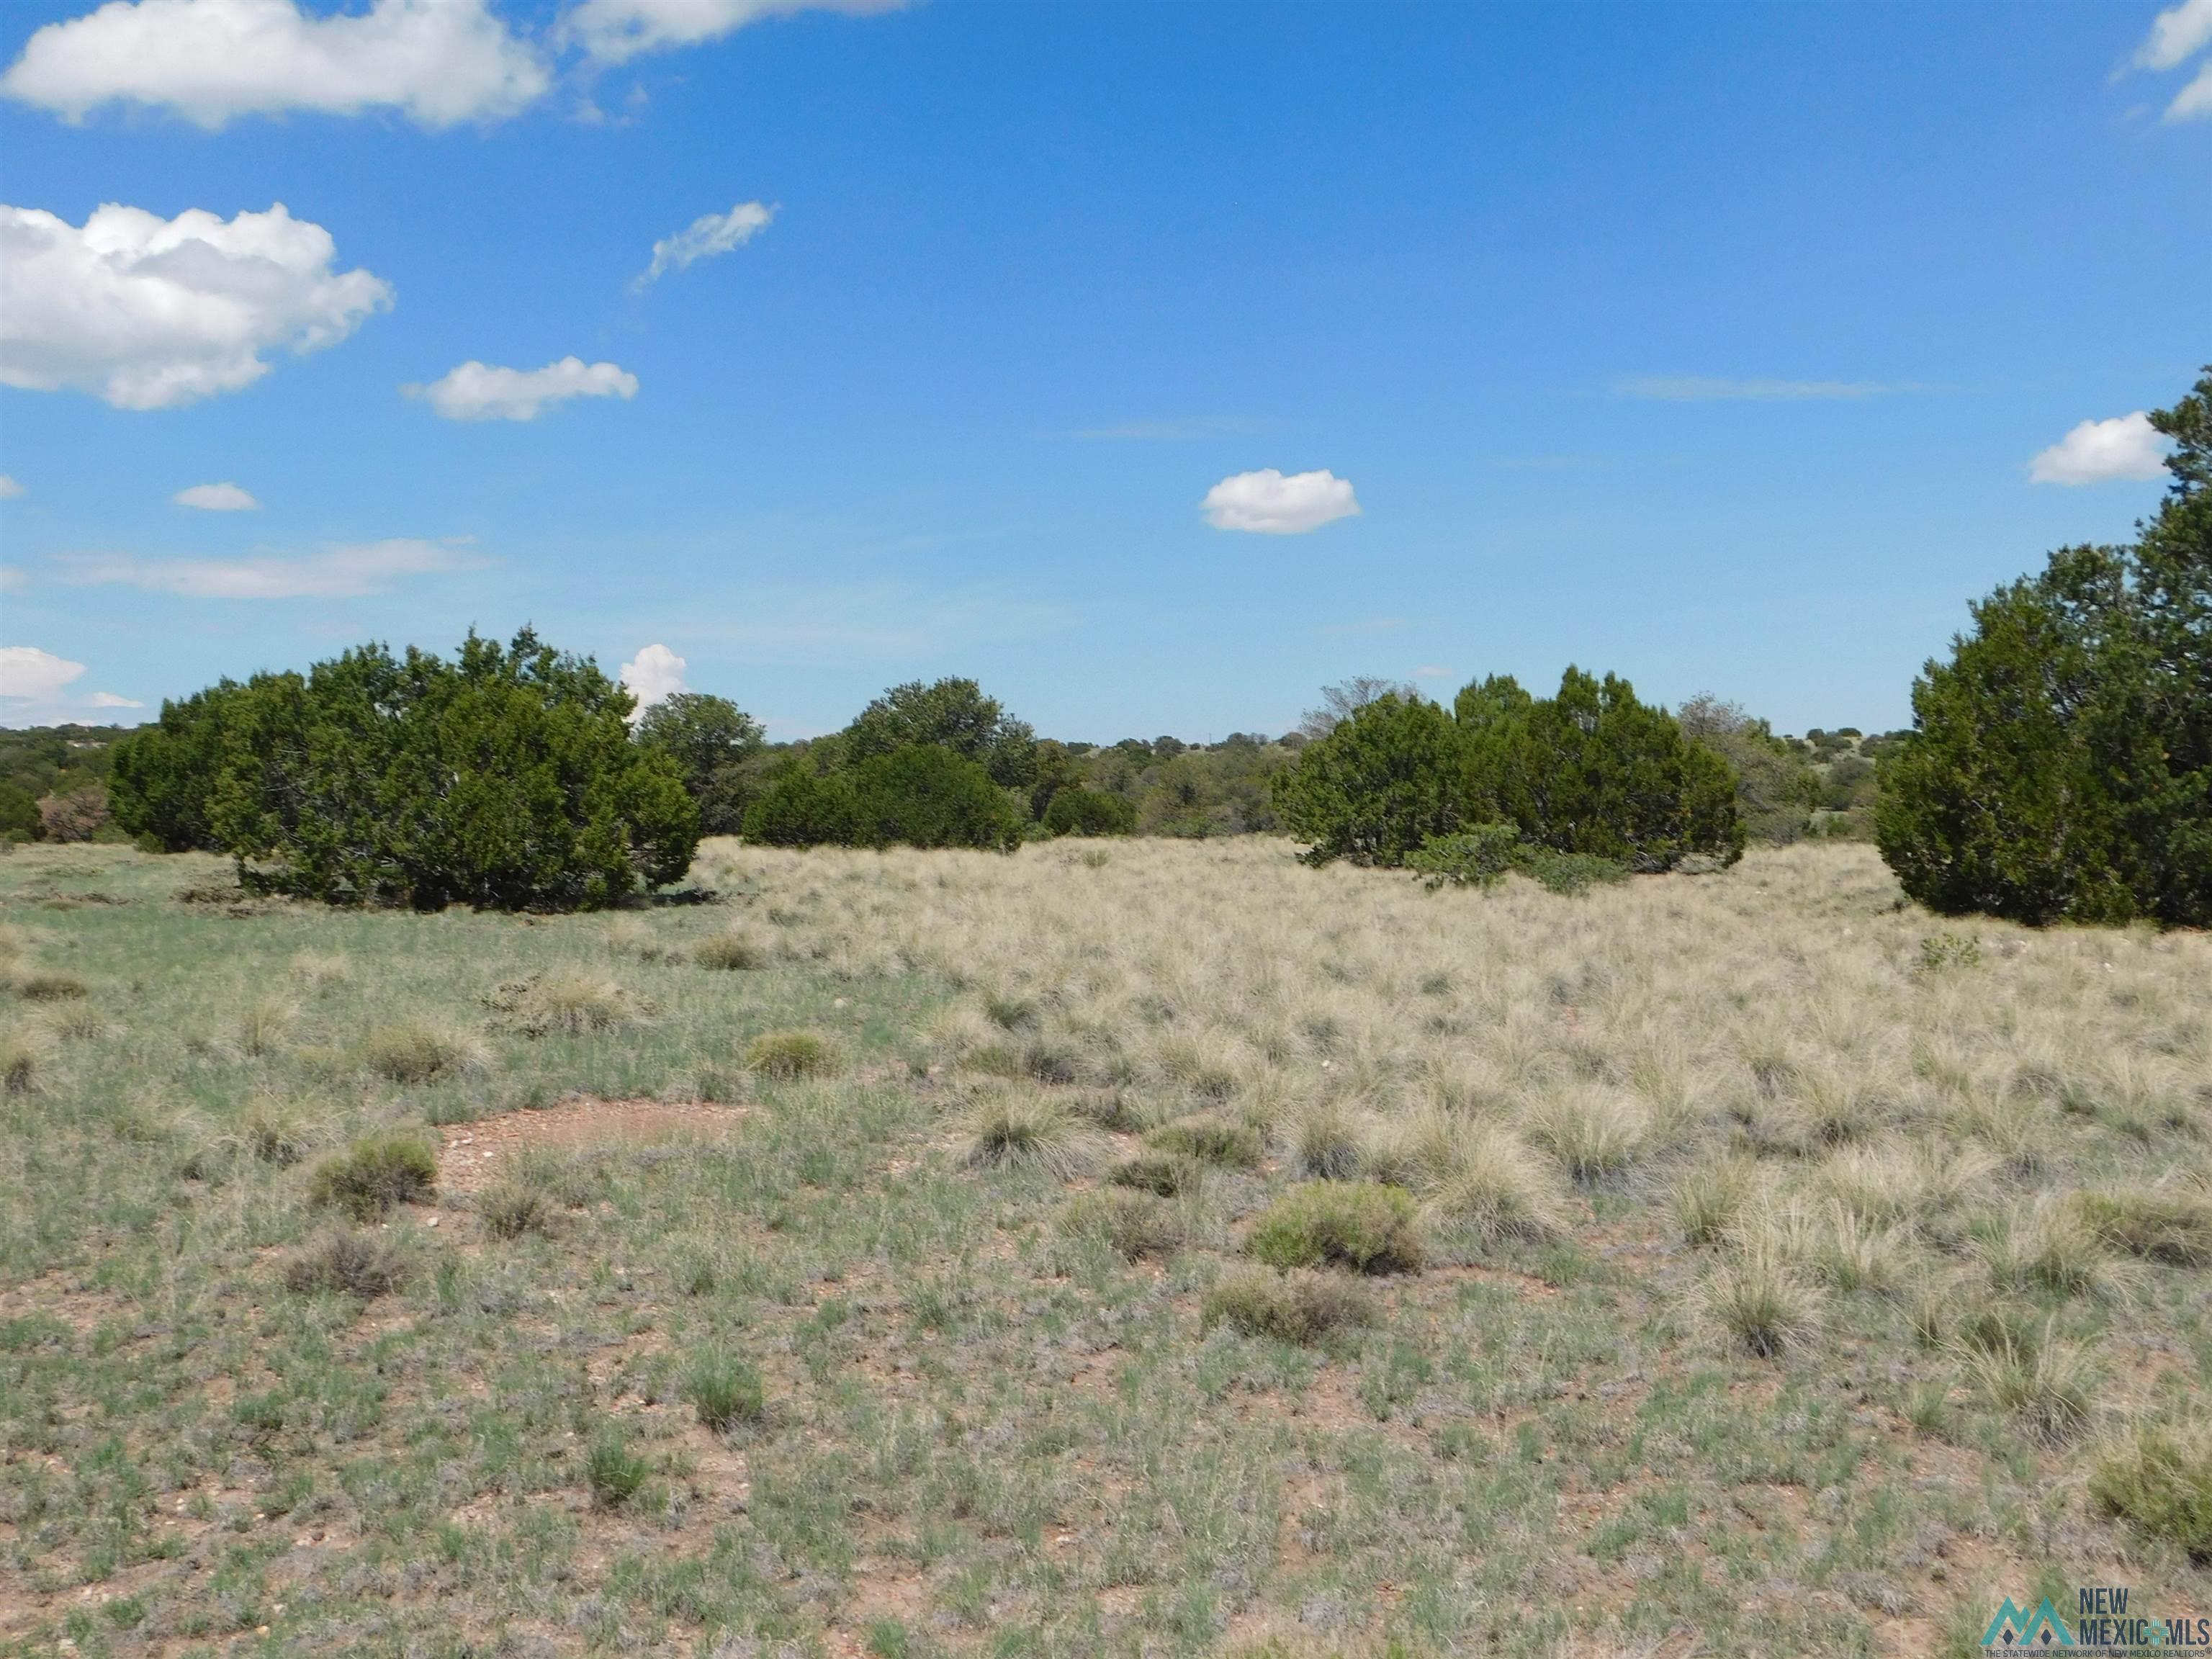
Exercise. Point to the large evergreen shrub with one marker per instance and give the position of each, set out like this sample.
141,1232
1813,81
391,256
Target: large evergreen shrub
2060,767
926,795
505,778
718,747
802,807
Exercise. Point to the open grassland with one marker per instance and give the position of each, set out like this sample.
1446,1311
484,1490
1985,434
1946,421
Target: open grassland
1149,1246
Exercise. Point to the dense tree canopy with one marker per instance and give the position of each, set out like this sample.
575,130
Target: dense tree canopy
2061,763
951,713
505,778
717,747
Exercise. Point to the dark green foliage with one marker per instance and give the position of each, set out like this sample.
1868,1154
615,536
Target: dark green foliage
1593,771
2060,766
1076,811
951,714
1382,784
1361,1225
790,1055
371,1175
1776,786
55,763
802,807
504,779
1477,856
926,795
19,813
1568,872
1223,789
716,746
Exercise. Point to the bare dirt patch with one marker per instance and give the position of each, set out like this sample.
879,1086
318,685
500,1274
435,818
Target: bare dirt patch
471,1155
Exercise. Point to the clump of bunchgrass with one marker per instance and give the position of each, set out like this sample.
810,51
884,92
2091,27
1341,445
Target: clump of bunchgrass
73,1022
264,1026
1133,1224
725,1389
374,1174
1494,1187
613,1473
1711,1202
1162,1174
1593,1132
788,1056
23,1051
413,1051
346,1261
1361,1225
1300,1306
1017,1129
730,950
567,1001
1756,1297
277,1131
516,1205
321,969
2158,1477
1210,1140
49,987
2045,1384
1326,1143
2051,1248
2167,1224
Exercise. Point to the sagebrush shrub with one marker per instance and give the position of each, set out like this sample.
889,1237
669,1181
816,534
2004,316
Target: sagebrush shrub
373,1175
516,1206
1361,1225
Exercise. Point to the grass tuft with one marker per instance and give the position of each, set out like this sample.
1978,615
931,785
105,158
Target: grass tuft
2048,1385
1133,1224
2160,1478
788,1056
347,1262
514,1206
421,1051
1593,1132
1017,1130
729,950
373,1175
1326,1143
567,1001
1757,1299
21,1053
725,1389
1495,1188
612,1472
1162,1174
1300,1306
2172,1225
1209,1140
1361,1225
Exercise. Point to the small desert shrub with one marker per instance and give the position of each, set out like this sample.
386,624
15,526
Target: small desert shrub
2049,1385
346,1262
49,987
612,1471
318,970
1300,1306
513,1207
2160,1477
567,1001
2172,1225
730,950
788,1056
1757,1299
1570,872
1210,1140
373,1175
416,1051
1017,1130
723,1389
1164,1174
263,1027
1709,1202
1326,1143
1593,1134
1941,952
1361,1225
1495,1188
1132,1223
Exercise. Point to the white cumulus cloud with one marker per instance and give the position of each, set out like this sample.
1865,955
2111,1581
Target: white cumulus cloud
216,498
34,687
440,62
147,313
654,674
8,487
1272,504
614,30
709,235
479,392
335,573
2099,452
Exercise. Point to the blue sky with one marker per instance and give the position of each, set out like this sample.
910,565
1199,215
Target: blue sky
1714,345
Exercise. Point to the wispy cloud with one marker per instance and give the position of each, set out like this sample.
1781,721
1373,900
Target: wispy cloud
480,392
216,498
335,573
706,237
1710,388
